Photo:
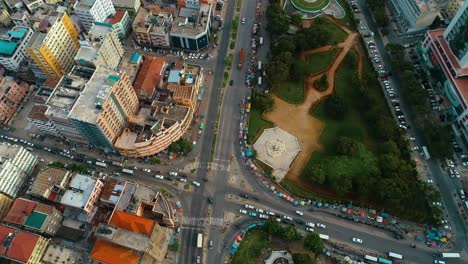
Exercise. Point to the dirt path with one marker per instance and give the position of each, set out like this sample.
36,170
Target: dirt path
296,119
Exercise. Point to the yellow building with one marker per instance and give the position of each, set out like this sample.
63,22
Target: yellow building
54,48
5,19
5,204
452,7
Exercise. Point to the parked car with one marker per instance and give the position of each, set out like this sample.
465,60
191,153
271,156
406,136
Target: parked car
196,183
287,217
242,211
173,173
147,170
248,206
308,229
299,213
321,225
258,210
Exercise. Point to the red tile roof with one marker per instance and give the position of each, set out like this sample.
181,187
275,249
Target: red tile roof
117,17
22,245
109,253
149,76
132,223
19,211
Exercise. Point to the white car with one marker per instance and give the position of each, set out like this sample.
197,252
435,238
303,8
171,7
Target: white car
437,203
321,225
270,213
196,183
299,213
242,211
183,180
457,173
310,224
147,170
415,148
287,217
248,206
451,163
258,210
308,229
243,20
429,181
159,177
173,173
262,216
357,240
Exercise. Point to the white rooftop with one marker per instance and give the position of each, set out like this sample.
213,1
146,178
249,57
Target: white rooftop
77,195
277,148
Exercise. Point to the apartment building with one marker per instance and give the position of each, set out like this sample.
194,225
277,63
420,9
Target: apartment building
14,5
447,50
414,15
16,163
12,95
21,246
52,48
137,239
37,116
13,47
191,29
89,11
102,110
50,183
101,48
131,6
34,216
5,204
5,19
152,25
33,5
121,23
192,3
131,63
450,8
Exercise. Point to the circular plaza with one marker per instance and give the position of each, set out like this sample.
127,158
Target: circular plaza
310,6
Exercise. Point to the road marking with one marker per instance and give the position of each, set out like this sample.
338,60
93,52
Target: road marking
218,165
194,221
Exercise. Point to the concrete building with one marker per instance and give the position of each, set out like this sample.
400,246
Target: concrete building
447,51
5,204
50,184
57,253
20,246
102,48
13,47
191,28
192,3
130,239
89,11
115,190
152,25
102,110
131,6
414,15
5,19
149,77
131,63
16,163
62,100
33,5
21,19
37,116
53,48
83,194
449,7
14,5
12,95
34,216
121,23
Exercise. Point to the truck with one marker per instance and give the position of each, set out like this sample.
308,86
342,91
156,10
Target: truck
116,163
259,81
449,255
425,153
241,58
200,241
395,255
385,261
101,164
127,171
261,41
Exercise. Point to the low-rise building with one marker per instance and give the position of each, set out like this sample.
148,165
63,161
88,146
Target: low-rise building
13,47
192,3
56,253
50,184
20,246
16,163
131,6
12,95
115,190
191,28
89,11
150,77
37,116
5,204
102,48
121,23
130,239
34,216
33,5
131,64
152,25
83,194
102,110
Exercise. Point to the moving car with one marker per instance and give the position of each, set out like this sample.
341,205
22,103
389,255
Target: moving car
242,211
147,170
357,240
321,225
159,177
196,183
248,206
299,213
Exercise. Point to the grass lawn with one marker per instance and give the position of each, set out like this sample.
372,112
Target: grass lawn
291,91
337,34
311,6
349,16
256,123
320,61
251,247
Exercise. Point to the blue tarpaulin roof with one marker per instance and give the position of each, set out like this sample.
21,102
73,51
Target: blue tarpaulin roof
174,76
7,47
135,57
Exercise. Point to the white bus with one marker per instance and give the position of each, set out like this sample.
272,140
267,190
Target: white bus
371,258
200,241
127,171
259,81
101,164
395,255
450,255
425,153
261,40
325,237
259,65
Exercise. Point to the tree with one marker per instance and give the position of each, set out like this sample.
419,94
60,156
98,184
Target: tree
313,243
181,146
277,70
296,19
322,83
278,22
315,173
395,49
299,258
347,146
285,44
56,164
175,246
273,227
290,233
264,102
335,107
155,160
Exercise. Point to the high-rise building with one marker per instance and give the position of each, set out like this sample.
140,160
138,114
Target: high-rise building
89,11
131,6
102,110
53,49
121,23
451,7
11,96
446,52
5,19
191,28
21,246
102,48
13,47
414,15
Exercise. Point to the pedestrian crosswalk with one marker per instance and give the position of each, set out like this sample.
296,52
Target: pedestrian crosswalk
194,221
218,165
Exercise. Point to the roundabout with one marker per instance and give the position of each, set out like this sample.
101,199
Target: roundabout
310,6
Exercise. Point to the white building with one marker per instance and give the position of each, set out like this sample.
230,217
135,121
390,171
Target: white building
121,23
16,163
102,48
13,47
414,15
93,10
131,6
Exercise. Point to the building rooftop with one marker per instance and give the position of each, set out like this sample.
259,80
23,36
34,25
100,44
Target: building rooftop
8,151
59,254
135,58
89,105
426,5
123,237
19,245
85,3
145,83
86,53
110,253
155,18
80,188
130,63
191,21
99,31
126,197
124,3
49,182
11,39
132,223
119,14
38,113
112,191
37,38
20,211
